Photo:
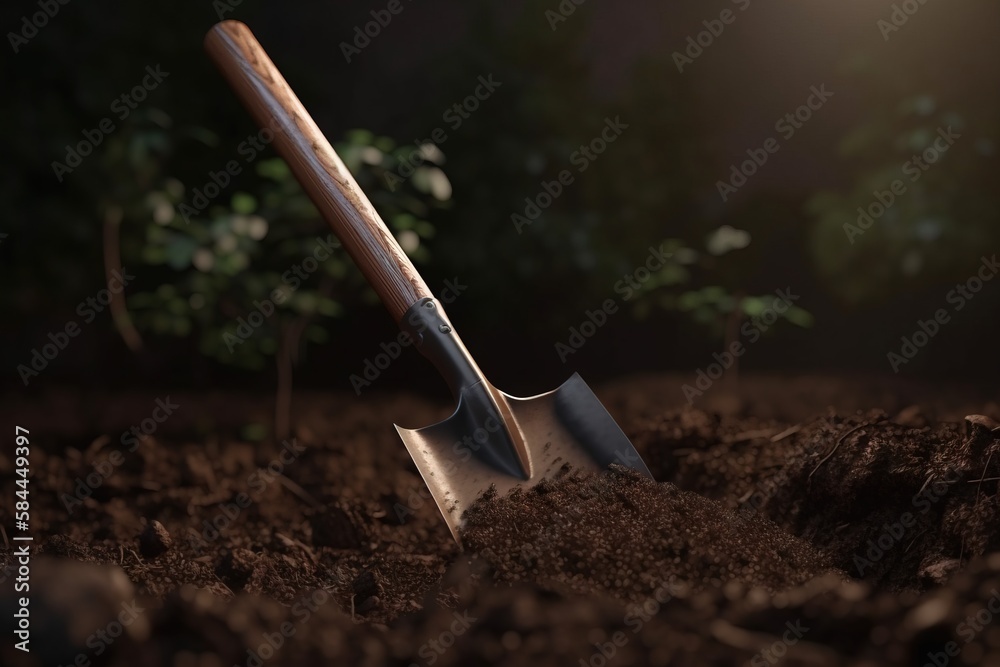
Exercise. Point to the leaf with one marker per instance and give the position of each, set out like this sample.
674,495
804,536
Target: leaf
671,274
403,221
359,136
179,251
276,169
244,203
727,238
254,432
384,144
753,305
232,263
433,181
328,307
713,294
154,254
704,315
799,317
424,229
689,301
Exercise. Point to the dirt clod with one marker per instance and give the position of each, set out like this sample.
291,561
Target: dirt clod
333,527
154,540
366,584
236,567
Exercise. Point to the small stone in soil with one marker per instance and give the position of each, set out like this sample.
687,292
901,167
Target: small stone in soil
333,527
367,589
154,540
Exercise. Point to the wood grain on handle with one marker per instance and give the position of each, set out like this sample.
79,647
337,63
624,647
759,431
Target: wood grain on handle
319,169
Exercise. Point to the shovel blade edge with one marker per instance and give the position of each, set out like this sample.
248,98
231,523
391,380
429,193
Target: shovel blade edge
525,441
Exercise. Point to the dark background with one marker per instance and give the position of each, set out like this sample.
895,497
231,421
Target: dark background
657,182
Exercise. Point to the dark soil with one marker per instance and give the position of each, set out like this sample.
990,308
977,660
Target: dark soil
811,536
623,536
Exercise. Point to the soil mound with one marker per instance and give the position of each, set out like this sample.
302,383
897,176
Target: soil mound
624,535
892,500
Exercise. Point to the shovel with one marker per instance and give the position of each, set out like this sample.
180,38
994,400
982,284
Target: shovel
492,440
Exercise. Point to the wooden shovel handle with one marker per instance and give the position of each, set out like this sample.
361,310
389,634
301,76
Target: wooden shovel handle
273,105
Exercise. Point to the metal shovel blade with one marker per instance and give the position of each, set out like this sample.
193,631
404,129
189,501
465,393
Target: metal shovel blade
496,440
492,439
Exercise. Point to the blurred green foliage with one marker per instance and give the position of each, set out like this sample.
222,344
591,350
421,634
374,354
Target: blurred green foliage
677,286
124,202
231,259
453,212
641,190
946,217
